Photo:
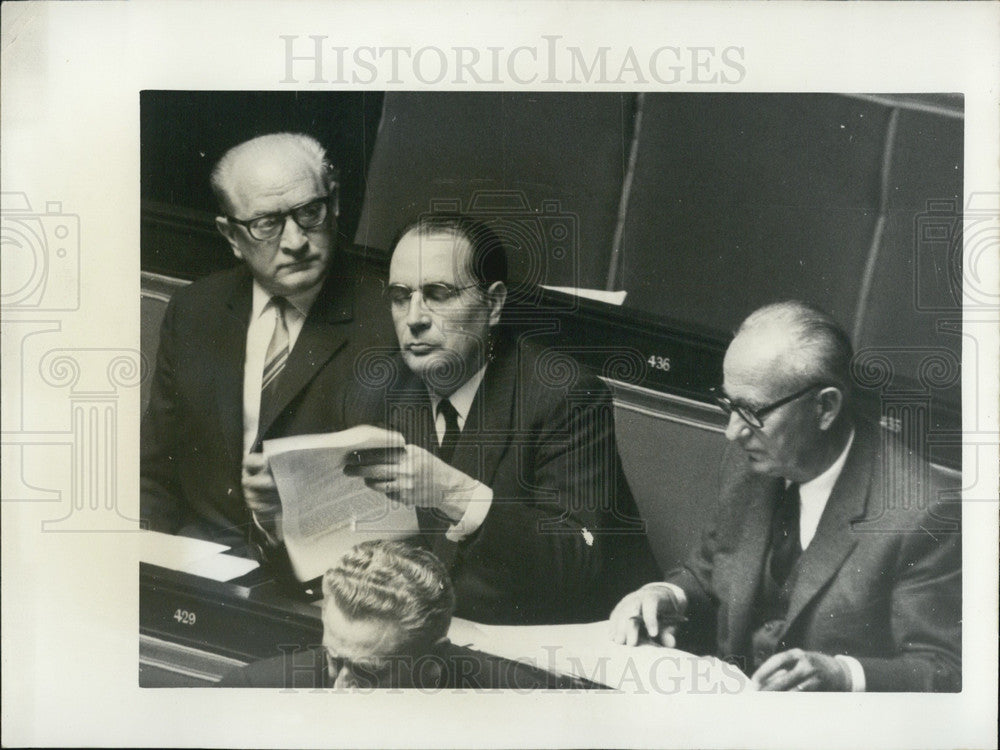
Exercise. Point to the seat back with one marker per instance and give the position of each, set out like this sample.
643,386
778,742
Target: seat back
155,291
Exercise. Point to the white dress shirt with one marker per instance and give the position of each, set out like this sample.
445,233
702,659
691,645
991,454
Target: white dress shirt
481,497
260,329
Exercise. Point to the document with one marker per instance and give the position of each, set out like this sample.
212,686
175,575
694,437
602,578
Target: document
586,651
194,556
324,511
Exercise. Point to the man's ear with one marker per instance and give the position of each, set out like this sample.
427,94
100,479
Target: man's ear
831,402
496,296
228,231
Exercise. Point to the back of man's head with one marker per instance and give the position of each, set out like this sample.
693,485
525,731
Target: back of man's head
811,345
393,582
284,146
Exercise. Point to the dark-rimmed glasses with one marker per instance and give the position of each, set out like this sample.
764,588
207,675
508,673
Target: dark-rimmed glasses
755,417
435,294
307,215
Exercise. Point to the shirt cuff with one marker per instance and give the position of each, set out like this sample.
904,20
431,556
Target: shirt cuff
479,505
856,671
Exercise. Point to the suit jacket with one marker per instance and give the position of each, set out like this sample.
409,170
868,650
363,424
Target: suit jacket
461,669
563,540
880,581
192,432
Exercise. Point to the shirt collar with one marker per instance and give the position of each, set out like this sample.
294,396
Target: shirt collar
463,397
302,302
822,486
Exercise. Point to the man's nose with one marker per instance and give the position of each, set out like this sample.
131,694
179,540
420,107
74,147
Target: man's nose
736,428
416,312
293,239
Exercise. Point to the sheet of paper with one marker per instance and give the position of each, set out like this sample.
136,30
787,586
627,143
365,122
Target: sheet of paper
324,511
194,556
176,552
222,567
586,651
611,298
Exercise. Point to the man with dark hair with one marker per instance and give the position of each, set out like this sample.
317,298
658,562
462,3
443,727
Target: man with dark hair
830,563
254,352
387,608
511,458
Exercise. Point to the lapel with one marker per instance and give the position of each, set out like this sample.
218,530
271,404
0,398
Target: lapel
748,559
322,334
487,431
834,538
231,346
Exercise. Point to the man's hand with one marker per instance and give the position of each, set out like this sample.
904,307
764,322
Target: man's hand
415,477
651,612
796,669
261,495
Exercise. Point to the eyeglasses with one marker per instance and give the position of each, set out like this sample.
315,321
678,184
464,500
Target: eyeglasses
307,215
755,417
435,295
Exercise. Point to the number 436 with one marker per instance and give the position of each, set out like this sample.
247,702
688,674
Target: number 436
660,363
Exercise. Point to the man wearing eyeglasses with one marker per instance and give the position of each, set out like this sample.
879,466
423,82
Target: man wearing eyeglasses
830,563
512,467
254,352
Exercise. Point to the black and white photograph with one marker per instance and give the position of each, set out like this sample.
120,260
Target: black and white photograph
521,387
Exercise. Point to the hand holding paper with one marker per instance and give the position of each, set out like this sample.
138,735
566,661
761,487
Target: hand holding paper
261,494
324,510
417,478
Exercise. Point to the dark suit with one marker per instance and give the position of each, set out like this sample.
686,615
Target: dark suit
562,540
461,669
880,581
192,432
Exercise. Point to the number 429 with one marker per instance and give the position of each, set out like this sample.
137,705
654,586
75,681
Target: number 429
184,617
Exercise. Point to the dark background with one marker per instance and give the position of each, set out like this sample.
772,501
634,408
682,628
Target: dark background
701,206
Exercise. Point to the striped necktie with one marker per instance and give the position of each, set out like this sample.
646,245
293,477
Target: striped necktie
276,357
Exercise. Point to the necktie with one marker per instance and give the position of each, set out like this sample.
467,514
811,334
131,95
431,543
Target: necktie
451,431
277,355
785,544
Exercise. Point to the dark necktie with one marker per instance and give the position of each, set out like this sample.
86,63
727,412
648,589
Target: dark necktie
451,431
785,543
276,357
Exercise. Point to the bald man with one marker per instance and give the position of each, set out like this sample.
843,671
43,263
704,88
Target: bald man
257,351
830,563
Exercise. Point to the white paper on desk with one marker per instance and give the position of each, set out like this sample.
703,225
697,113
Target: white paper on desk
194,556
325,512
611,298
587,651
